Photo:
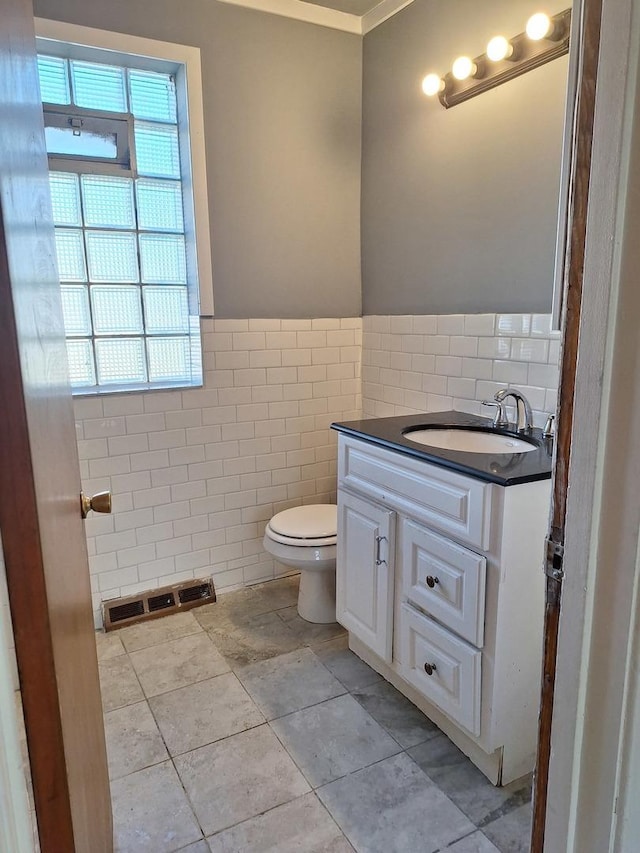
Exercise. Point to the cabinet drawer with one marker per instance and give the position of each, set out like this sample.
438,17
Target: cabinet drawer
454,504
445,579
454,685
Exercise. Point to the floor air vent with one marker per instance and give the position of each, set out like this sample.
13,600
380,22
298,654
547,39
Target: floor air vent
119,612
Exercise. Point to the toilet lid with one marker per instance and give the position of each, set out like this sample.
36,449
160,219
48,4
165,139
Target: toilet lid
313,524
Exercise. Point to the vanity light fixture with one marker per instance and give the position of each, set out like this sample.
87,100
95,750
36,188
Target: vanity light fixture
545,38
464,67
539,26
499,48
432,84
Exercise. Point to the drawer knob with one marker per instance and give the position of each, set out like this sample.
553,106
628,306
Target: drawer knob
431,581
430,668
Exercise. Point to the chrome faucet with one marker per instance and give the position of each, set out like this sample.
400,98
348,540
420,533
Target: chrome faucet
524,420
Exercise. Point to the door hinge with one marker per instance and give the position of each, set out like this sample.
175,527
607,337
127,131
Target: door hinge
555,558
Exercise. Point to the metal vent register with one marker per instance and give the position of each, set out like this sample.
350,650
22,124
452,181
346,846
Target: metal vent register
156,602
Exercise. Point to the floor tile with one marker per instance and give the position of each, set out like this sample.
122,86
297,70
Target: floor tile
251,601
461,780
242,603
288,683
302,826
393,806
238,778
344,664
309,632
151,813
119,685
108,645
477,842
245,640
133,740
404,722
280,593
332,739
247,792
511,833
204,712
177,663
156,631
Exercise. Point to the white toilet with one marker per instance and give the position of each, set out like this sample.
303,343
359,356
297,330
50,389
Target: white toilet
304,538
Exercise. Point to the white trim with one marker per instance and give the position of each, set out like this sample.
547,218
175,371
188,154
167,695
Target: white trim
323,16
381,13
597,610
308,12
189,57
562,234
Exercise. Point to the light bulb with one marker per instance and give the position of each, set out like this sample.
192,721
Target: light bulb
539,26
499,48
432,84
463,67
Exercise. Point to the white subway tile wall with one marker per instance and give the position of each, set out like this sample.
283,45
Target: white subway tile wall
196,474
415,364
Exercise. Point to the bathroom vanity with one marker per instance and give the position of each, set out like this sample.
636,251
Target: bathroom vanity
440,581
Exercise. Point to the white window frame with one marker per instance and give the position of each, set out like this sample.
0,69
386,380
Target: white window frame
84,42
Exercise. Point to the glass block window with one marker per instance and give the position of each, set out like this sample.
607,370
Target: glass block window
127,286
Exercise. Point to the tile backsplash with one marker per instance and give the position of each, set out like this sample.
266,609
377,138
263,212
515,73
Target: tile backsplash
419,363
196,474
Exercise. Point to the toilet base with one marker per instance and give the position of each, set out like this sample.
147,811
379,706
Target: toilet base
317,596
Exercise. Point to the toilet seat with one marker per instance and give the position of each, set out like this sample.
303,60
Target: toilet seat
304,538
310,526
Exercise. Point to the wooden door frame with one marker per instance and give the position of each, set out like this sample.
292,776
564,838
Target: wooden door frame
586,28
586,727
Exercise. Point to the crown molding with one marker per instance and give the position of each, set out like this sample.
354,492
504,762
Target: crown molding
381,13
322,16
308,12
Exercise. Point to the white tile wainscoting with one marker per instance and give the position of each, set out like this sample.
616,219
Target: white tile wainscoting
413,364
195,474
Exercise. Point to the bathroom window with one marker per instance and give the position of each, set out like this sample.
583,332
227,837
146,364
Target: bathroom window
121,176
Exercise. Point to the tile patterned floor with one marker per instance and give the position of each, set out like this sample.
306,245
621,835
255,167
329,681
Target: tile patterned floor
240,728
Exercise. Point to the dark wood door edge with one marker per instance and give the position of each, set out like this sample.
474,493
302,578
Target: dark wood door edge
577,226
27,589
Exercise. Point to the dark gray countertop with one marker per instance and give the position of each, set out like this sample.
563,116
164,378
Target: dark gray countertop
504,469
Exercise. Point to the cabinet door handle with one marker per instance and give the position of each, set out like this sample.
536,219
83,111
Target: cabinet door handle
379,541
432,581
430,668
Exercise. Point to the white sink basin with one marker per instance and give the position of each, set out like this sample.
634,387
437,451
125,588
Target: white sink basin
469,441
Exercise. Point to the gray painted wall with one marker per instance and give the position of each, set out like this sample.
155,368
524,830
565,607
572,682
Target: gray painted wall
282,103
459,206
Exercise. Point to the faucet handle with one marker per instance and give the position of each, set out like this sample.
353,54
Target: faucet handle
500,419
550,427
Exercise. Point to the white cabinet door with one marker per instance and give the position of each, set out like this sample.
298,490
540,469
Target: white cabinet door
364,572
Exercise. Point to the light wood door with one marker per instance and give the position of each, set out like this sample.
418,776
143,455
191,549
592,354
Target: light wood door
42,531
364,572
